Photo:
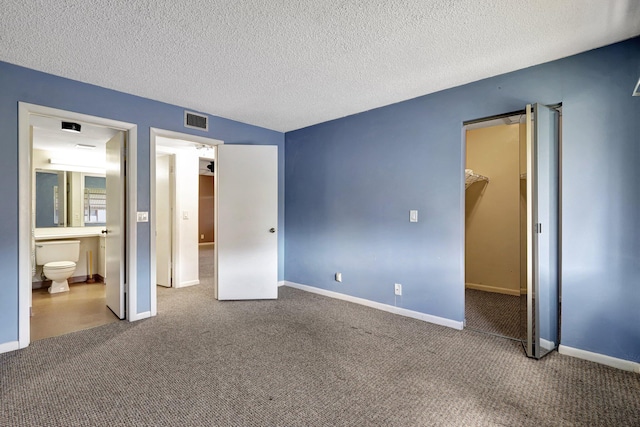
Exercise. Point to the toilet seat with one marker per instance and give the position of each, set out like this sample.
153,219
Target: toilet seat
59,265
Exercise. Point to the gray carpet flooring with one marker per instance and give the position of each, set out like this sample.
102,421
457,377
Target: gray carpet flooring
303,360
494,313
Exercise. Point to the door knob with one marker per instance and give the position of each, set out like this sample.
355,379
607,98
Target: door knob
272,230
105,231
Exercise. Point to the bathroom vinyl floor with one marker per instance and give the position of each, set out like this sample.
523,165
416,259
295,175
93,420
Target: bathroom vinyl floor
83,307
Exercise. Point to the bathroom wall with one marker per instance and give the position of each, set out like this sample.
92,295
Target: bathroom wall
492,210
75,200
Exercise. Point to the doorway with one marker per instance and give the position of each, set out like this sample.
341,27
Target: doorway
80,208
512,217
245,216
495,218
178,259
180,211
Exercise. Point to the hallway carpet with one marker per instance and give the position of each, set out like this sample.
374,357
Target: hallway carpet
303,360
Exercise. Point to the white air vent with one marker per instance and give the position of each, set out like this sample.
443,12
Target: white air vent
196,121
636,91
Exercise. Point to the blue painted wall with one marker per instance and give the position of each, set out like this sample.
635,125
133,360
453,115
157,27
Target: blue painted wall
351,183
22,84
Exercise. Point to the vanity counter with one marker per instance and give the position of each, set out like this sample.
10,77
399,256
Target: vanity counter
66,233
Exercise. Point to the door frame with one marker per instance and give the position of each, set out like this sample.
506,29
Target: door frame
489,121
154,133
495,121
25,110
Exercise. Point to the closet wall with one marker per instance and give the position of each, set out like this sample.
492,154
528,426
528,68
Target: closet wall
493,226
523,208
206,204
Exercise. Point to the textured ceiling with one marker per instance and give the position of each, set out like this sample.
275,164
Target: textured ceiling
290,64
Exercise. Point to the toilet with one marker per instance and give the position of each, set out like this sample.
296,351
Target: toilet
58,260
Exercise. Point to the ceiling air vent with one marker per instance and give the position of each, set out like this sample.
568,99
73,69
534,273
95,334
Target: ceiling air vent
196,121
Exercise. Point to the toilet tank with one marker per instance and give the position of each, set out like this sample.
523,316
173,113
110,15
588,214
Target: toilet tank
57,250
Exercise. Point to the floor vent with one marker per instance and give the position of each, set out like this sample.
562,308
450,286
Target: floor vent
196,121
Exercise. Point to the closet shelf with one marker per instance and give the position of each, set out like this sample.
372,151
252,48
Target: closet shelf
471,178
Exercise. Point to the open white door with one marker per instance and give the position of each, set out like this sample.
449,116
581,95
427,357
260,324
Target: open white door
115,228
163,220
246,194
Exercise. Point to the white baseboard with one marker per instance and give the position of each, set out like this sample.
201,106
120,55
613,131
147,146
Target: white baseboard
546,344
523,291
384,307
187,283
206,244
139,316
281,283
625,365
9,346
494,289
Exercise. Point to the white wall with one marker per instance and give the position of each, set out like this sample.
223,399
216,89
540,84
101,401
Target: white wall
186,271
75,200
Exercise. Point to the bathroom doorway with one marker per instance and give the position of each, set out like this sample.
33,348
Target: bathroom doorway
72,190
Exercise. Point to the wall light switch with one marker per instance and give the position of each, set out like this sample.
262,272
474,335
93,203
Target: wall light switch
413,216
143,217
185,214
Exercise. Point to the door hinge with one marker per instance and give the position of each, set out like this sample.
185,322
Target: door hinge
538,228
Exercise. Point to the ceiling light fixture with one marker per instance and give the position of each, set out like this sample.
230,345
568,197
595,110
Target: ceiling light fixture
85,146
71,127
74,164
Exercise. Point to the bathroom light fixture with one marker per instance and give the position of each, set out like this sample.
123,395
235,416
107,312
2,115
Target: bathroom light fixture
71,127
73,164
85,146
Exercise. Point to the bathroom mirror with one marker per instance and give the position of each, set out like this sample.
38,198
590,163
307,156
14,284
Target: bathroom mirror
69,199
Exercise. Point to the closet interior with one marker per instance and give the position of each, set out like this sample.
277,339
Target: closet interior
495,227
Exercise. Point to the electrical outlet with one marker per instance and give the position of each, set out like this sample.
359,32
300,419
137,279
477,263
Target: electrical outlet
397,289
338,277
202,237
